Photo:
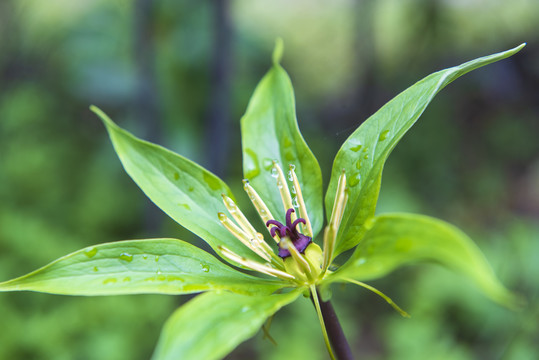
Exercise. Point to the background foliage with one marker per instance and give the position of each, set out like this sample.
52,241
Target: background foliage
180,73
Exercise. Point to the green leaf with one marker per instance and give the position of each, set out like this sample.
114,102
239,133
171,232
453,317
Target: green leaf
269,131
211,325
185,191
161,266
364,153
395,240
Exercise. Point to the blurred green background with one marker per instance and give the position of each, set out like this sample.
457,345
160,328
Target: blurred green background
181,73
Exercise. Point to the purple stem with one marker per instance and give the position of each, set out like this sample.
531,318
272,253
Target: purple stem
338,341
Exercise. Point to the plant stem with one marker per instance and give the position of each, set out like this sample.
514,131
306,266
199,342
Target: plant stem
338,341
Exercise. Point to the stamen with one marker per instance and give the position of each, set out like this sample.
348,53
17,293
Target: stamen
308,230
283,189
253,265
259,205
238,216
331,230
275,260
241,236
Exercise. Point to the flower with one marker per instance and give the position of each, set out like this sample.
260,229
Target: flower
299,260
236,304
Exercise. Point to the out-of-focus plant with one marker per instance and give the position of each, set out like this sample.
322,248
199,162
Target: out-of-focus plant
236,303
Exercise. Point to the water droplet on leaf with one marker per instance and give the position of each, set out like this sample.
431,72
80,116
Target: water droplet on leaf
354,180
126,257
267,163
205,268
356,148
251,164
176,176
211,180
90,252
383,135
185,206
286,141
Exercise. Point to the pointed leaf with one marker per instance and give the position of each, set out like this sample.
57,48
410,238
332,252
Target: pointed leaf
364,153
269,131
185,191
213,324
394,240
156,266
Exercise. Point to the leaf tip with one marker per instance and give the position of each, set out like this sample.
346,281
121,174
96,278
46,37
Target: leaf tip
278,51
101,114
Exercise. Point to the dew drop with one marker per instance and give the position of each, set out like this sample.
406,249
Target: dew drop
290,176
145,256
222,216
109,281
358,164
267,163
356,148
159,272
211,180
279,184
383,135
231,205
156,258
185,206
292,167
293,189
191,189
354,180
126,257
366,156
286,141
205,268
96,269
90,252
295,202
251,164
245,309
176,176
360,261
274,172
289,155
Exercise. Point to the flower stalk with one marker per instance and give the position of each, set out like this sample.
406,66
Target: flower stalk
336,342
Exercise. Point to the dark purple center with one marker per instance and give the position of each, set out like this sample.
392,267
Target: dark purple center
299,240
